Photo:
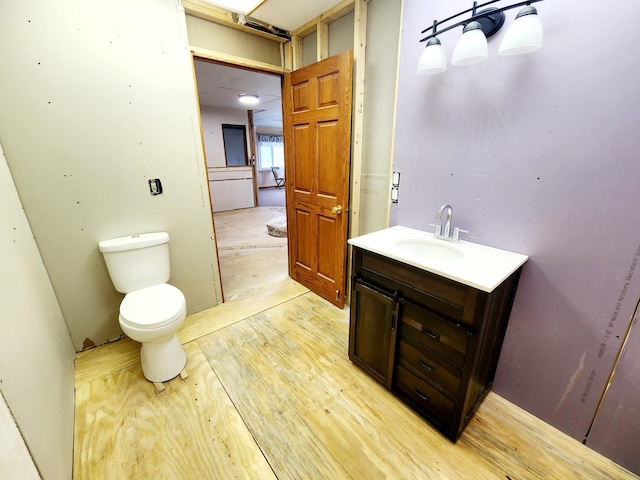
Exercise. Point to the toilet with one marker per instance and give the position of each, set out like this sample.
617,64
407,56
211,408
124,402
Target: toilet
152,310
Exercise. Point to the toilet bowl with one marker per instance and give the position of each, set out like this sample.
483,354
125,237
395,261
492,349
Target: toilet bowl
152,311
152,316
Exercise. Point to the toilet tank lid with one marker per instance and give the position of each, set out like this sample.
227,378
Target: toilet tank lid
133,242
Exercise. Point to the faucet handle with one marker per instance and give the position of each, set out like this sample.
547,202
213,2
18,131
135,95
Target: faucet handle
438,229
457,231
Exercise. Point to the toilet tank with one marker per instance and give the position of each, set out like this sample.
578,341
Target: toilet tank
137,261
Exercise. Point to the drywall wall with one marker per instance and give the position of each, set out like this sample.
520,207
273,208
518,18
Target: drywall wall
383,33
310,49
212,121
537,154
340,34
219,38
615,428
98,99
36,354
15,460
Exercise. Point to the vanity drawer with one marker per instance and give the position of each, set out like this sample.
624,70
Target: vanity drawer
430,367
424,327
438,293
424,396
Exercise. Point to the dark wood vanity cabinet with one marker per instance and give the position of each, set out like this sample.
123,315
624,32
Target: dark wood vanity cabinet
432,341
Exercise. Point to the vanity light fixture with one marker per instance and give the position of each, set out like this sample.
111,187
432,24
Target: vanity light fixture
247,99
524,35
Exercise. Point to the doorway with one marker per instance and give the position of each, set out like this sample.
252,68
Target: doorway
249,255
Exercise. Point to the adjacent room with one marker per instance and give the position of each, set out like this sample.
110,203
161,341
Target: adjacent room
244,152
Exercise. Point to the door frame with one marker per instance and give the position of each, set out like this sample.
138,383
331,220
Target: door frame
242,65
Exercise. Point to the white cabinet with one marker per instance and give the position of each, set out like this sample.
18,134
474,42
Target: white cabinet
231,188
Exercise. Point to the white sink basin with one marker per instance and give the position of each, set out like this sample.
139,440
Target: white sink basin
469,263
429,249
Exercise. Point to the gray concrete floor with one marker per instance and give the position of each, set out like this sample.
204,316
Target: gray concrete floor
249,256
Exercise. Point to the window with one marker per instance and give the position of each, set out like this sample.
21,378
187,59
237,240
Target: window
235,145
270,151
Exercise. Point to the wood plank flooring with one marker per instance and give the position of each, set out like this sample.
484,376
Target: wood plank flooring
272,394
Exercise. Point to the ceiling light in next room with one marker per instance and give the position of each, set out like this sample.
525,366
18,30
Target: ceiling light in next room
245,7
246,99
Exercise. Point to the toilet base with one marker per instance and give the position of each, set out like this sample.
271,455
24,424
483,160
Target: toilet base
162,361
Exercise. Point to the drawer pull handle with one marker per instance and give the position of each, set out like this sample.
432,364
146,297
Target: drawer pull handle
430,334
425,365
421,395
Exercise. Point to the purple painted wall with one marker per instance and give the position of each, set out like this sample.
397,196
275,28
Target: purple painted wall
619,409
538,154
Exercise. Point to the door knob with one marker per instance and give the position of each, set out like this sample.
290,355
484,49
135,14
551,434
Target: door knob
337,209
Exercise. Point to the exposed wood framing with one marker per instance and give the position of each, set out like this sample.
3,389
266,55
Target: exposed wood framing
287,55
206,11
320,25
339,11
359,50
322,46
239,61
294,48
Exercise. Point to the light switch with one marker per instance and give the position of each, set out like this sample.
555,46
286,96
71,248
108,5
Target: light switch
395,187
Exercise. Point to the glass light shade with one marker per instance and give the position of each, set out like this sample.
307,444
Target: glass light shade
524,34
472,46
433,59
246,99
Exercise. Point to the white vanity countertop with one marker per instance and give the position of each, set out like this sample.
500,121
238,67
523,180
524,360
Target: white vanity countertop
480,266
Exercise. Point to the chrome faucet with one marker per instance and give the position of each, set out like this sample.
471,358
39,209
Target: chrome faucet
447,226
451,236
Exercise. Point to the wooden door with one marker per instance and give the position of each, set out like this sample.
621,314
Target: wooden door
317,124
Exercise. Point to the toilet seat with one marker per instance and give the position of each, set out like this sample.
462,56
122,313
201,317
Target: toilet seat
152,307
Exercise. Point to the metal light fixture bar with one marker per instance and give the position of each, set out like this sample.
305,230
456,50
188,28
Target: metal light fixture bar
474,17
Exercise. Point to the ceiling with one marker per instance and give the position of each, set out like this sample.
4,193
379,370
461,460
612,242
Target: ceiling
291,14
284,14
220,85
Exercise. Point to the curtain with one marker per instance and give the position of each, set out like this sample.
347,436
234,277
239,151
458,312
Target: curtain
266,138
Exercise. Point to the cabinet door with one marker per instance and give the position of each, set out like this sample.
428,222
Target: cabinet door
372,331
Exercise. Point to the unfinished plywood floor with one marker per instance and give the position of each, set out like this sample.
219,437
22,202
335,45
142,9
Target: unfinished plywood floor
249,256
272,394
